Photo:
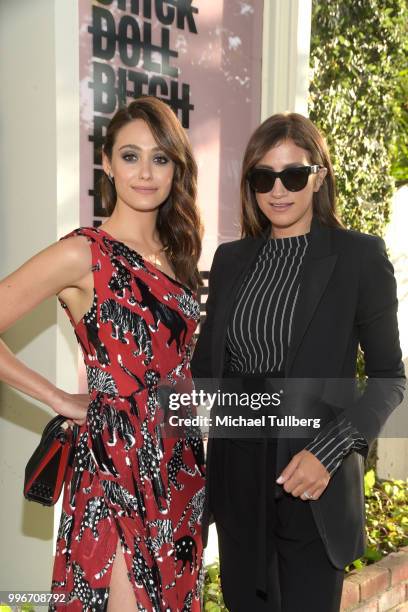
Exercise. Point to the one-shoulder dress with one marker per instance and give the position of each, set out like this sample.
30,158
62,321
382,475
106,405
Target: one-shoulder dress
128,481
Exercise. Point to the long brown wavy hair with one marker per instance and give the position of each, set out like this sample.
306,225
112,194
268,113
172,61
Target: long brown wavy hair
273,131
178,220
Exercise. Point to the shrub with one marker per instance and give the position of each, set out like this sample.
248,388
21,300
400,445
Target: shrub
386,504
358,80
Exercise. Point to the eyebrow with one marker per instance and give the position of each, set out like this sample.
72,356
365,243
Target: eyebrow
133,146
292,165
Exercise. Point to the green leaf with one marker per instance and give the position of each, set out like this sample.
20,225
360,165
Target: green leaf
210,606
372,554
213,572
369,481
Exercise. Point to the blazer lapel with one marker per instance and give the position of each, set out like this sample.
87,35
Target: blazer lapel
235,271
317,269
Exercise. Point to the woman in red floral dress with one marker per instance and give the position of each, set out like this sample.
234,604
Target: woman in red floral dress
130,530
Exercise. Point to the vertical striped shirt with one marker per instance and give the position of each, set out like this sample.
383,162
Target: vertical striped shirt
260,330
261,321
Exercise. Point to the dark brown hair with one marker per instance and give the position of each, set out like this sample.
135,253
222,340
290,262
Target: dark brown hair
273,131
178,219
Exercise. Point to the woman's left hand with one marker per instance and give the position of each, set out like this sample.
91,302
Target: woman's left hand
304,474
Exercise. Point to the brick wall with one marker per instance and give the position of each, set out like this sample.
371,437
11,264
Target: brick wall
378,587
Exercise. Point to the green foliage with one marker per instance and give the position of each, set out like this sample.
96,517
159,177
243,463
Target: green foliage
399,149
386,518
24,608
213,599
357,99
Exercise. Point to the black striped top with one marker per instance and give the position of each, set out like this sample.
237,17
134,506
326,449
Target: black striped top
261,322
260,329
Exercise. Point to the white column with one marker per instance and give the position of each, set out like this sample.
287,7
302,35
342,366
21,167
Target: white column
39,178
285,57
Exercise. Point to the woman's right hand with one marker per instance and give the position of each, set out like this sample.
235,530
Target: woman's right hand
74,406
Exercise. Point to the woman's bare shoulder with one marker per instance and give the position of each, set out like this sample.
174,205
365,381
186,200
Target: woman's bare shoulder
75,250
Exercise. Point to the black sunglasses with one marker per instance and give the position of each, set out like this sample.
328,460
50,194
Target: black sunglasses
262,180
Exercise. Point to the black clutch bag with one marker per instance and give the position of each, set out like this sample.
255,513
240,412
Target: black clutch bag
45,470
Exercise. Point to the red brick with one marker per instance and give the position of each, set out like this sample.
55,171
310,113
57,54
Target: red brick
368,606
351,593
397,563
372,580
392,597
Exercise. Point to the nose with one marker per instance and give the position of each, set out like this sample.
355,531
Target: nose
145,169
278,189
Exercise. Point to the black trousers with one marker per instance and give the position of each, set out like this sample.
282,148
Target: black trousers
300,576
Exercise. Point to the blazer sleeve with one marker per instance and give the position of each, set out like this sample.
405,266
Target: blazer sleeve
332,444
377,327
201,362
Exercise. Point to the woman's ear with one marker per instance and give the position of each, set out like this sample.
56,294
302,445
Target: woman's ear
321,175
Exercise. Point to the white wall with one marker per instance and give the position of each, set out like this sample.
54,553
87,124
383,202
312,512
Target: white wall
37,145
393,452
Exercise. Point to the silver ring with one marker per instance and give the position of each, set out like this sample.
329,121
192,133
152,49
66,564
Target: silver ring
306,494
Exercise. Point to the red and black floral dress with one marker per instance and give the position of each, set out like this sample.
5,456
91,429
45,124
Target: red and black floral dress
128,481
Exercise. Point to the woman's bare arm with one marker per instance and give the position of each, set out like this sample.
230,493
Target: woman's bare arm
65,264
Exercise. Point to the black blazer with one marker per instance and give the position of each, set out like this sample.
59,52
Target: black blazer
347,297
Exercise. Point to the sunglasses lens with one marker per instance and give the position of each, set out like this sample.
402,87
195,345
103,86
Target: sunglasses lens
261,180
296,179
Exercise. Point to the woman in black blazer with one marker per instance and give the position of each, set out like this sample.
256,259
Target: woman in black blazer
293,299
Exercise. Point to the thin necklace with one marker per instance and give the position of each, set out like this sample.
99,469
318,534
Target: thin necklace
154,257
